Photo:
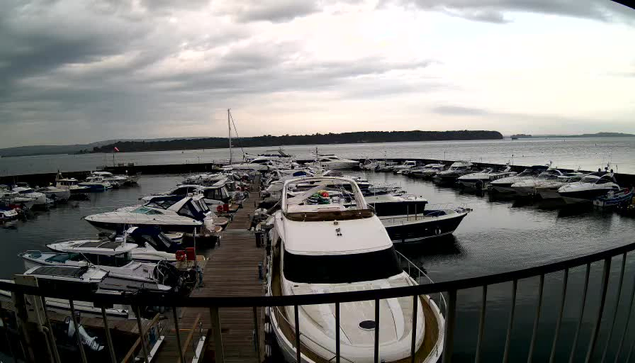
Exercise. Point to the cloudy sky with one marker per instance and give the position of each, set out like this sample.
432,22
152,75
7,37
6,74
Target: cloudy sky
82,71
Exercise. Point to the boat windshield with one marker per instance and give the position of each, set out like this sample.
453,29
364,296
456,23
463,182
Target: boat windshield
144,210
339,269
118,260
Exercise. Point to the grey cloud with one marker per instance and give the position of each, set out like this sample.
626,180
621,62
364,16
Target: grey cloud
277,11
494,10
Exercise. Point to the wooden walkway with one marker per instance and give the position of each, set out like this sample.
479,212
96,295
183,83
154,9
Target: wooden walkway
232,270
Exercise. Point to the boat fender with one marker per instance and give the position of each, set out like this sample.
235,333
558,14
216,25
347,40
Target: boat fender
437,231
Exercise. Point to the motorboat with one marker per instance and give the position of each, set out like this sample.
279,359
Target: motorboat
333,162
57,195
39,199
482,179
456,170
548,189
612,199
96,183
203,179
13,199
181,191
171,214
527,187
115,258
407,220
407,165
70,184
589,188
79,279
504,185
117,180
428,171
151,244
326,239
8,214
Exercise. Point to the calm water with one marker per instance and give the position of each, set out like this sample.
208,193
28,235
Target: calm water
587,153
497,236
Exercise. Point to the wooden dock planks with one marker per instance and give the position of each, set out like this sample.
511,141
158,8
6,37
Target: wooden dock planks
232,270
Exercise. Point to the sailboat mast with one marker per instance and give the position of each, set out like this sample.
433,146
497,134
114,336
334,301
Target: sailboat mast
229,127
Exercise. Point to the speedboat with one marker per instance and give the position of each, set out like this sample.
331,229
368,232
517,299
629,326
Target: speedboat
504,185
171,214
333,162
482,179
325,239
203,179
8,214
623,197
548,189
181,191
124,274
70,184
407,220
407,165
117,180
428,171
152,244
57,195
527,187
589,188
96,183
39,199
456,170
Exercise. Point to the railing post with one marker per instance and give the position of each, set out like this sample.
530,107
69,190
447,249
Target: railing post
376,353
627,320
536,319
510,325
565,282
337,332
256,333
596,329
481,325
111,347
617,306
54,351
448,343
141,334
413,344
298,345
577,330
178,334
219,354
79,338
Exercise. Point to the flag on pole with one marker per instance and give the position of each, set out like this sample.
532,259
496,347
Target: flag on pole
116,149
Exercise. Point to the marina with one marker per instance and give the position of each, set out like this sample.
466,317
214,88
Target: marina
523,231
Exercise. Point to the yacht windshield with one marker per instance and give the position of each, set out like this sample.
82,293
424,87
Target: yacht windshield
339,269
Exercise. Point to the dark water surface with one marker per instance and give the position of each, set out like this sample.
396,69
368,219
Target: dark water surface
497,236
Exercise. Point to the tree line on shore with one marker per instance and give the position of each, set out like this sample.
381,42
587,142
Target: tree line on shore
314,139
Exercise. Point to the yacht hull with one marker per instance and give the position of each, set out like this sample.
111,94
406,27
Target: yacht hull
407,229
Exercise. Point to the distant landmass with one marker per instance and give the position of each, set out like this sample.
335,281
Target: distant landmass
597,134
269,140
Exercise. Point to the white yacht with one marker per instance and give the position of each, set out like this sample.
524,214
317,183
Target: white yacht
55,194
504,185
96,183
181,190
406,166
548,189
456,170
407,218
39,199
325,239
527,187
117,180
589,188
333,162
151,245
482,179
428,171
168,213
70,184
124,274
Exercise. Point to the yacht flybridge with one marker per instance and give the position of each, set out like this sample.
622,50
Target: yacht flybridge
326,239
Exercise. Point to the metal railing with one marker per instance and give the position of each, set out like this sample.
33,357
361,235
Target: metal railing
450,288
